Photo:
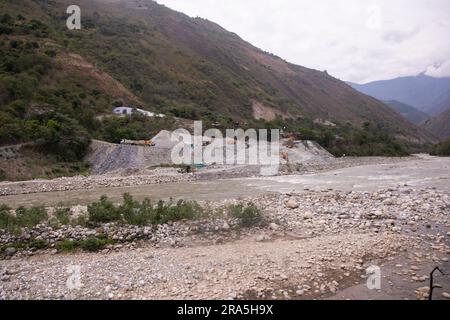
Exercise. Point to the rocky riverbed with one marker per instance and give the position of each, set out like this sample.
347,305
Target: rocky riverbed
313,245
156,176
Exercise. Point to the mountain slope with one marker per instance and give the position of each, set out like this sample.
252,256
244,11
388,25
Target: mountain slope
439,125
184,66
412,114
441,104
420,91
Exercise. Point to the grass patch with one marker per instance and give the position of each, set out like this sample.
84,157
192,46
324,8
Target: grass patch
34,244
91,244
62,214
30,217
25,217
182,210
38,244
103,211
66,246
94,244
143,213
130,212
249,215
7,220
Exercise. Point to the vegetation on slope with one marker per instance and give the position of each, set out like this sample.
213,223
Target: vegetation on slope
442,149
439,125
58,87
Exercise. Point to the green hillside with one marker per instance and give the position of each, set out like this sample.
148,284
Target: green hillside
58,87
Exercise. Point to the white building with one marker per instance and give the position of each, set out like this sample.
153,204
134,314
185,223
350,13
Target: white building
129,111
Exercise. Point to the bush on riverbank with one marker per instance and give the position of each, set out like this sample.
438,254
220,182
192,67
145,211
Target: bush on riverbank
441,149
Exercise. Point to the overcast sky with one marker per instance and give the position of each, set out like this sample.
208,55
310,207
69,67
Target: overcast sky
354,40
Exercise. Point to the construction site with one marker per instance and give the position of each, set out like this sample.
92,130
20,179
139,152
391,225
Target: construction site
314,228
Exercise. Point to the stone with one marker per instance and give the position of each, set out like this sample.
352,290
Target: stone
446,295
5,278
292,204
10,251
274,227
259,238
308,215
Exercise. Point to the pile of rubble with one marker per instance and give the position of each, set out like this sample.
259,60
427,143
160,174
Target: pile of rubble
158,176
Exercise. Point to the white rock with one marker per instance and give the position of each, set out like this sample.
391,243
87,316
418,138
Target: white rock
300,292
292,204
274,226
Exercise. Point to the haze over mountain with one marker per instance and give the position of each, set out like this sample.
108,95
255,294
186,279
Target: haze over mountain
441,104
412,114
428,94
439,125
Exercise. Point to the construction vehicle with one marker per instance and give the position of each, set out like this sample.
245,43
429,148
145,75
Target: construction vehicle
144,143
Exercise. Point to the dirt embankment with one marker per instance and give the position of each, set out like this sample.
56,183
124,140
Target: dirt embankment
107,157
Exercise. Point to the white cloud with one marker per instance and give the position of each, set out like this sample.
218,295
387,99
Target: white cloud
354,40
439,70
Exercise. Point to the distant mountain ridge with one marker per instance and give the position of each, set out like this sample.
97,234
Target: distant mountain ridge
409,112
427,94
441,104
439,125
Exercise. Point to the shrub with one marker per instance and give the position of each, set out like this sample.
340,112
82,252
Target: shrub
103,211
38,244
145,213
66,245
442,149
65,138
91,244
81,220
7,220
135,127
136,213
182,210
249,215
30,217
62,214
2,175
94,244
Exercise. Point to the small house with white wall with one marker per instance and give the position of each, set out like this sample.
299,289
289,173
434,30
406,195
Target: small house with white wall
129,111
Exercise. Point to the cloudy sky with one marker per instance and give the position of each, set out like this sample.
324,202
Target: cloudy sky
354,40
